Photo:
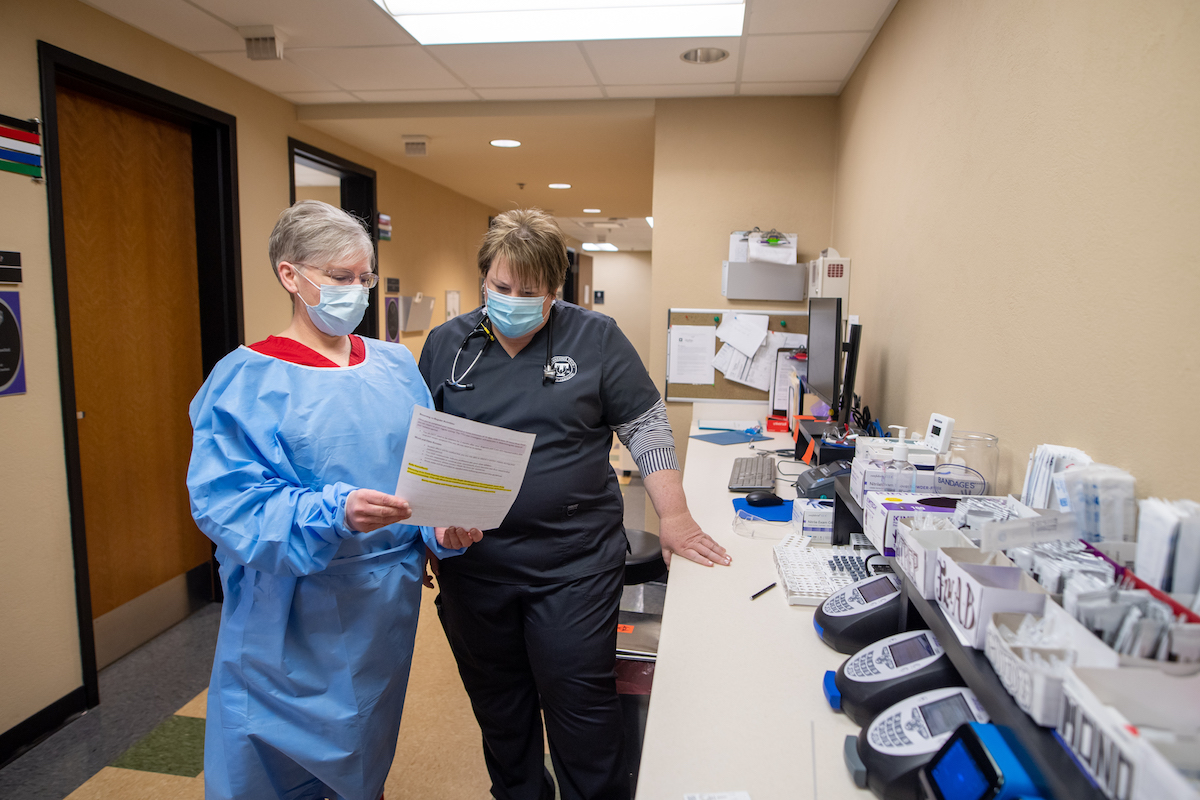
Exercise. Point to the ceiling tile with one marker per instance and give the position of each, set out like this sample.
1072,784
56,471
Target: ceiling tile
274,76
175,22
510,65
307,98
672,90
367,68
790,88
629,61
314,23
815,16
543,93
802,56
416,95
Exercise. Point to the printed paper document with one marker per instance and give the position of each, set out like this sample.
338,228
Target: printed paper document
459,472
690,356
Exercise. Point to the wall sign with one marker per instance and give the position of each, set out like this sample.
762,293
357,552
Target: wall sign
20,147
12,364
10,267
393,285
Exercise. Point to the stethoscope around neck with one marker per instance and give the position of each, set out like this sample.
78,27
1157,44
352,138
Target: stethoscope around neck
481,329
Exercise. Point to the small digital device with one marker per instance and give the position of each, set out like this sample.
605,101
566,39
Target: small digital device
863,612
888,754
886,672
818,481
977,763
937,435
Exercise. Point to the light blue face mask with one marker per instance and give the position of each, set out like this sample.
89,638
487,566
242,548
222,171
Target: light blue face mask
514,317
340,310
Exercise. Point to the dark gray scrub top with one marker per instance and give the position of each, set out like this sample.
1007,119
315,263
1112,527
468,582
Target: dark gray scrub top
566,522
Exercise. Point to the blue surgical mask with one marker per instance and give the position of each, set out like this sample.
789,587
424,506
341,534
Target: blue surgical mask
514,317
340,310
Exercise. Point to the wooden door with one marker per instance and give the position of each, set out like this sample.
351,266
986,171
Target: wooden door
129,221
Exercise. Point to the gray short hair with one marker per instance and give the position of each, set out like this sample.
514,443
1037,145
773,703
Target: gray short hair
316,233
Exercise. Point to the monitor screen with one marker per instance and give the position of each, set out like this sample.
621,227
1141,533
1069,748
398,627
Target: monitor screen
957,775
877,589
943,716
825,348
910,650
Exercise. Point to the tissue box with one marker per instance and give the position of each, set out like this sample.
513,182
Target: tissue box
972,585
814,518
1103,710
1037,692
882,513
916,554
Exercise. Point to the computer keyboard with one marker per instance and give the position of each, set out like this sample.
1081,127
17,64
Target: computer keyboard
752,474
811,574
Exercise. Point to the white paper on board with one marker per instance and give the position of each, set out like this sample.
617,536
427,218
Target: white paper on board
745,332
690,359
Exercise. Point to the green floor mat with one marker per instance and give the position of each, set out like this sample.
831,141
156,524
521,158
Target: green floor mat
176,747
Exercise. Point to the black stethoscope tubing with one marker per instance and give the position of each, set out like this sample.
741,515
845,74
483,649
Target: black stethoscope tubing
481,329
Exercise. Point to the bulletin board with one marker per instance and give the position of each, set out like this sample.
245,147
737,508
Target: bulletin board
723,390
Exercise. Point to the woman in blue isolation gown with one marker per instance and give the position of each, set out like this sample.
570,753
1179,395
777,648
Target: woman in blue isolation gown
297,447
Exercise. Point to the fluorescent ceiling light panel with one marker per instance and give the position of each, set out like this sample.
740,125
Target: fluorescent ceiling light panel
476,22
560,186
611,248
505,143
650,221
591,211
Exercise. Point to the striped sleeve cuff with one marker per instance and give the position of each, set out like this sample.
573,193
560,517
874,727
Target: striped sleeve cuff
649,440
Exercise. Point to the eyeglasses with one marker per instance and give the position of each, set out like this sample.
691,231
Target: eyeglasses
344,277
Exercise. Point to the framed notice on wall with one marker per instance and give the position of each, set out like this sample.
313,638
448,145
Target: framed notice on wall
12,362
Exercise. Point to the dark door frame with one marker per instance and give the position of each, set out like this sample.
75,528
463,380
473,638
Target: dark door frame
218,251
358,198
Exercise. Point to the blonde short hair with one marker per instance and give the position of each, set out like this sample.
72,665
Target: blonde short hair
317,234
530,241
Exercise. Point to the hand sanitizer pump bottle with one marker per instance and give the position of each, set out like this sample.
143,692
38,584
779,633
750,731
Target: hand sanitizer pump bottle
900,475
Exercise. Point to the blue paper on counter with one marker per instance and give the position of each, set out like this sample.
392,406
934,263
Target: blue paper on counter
780,513
730,437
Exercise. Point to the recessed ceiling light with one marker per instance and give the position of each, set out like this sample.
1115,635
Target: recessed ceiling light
650,221
433,22
560,186
505,143
704,55
612,248
591,211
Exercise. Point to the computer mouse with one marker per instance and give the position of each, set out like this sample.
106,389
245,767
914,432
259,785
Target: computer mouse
763,499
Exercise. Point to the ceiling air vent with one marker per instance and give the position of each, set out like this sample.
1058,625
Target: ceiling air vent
263,42
416,146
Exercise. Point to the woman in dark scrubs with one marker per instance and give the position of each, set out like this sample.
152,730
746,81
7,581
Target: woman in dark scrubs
531,610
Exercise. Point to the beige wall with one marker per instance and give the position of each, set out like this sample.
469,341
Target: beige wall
1017,188
326,194
722,165
624,277
435,234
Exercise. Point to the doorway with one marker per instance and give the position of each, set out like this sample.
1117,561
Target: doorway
146,267
320,175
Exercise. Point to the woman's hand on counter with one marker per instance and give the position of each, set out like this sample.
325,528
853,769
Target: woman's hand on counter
680,534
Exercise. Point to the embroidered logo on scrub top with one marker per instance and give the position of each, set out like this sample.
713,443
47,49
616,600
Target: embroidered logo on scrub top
564,368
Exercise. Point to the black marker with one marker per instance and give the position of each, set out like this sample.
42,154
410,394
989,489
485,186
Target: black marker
761,592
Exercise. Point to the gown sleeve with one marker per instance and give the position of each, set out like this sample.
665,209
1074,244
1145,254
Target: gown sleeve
244,494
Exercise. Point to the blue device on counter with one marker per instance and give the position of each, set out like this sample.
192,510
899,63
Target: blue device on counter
976,763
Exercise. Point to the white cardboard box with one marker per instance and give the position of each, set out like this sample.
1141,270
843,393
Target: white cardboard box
882,513
916,554
1038,692
973,584
814,518
1109,720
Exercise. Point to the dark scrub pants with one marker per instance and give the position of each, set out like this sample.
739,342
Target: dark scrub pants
531,610
551,647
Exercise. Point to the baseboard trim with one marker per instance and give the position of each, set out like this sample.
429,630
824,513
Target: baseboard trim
17,740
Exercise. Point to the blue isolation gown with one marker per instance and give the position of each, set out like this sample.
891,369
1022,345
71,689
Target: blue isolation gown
318,622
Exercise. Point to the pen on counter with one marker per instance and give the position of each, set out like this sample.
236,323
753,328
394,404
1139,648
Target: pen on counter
761,592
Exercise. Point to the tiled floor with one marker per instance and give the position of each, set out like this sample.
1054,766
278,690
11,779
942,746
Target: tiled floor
146,739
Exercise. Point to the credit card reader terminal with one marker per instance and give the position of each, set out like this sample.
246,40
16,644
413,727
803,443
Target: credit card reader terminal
977,762
887,755
886,672
863,612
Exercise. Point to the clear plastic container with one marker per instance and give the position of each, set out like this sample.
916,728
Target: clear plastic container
978,453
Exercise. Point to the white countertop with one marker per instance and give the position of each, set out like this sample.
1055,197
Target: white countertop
737,703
